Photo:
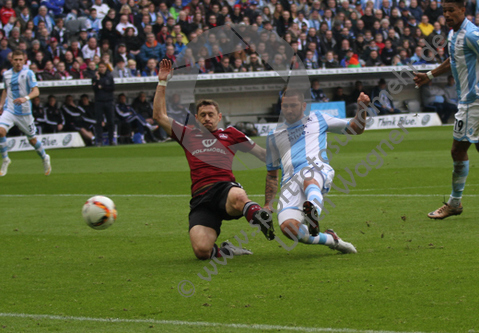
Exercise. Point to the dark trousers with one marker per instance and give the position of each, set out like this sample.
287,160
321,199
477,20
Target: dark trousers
104,108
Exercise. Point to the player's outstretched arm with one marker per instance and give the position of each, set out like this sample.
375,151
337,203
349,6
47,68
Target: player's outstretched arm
34,93
357,125
159,102
259,152
421,79
271,189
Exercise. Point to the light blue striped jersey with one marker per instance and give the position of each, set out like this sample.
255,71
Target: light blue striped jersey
18,84
292,147
464,56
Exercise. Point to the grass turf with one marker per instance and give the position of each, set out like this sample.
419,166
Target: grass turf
411,273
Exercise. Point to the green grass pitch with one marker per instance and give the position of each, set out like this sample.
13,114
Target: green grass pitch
411,273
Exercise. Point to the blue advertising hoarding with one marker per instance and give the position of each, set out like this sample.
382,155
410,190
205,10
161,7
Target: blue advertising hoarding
334,109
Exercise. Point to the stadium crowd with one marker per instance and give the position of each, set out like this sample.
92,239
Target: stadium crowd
67,39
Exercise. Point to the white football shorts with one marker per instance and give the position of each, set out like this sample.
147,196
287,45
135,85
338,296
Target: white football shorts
292,196
466,126
26,124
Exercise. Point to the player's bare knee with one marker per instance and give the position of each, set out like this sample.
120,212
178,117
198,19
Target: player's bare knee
202,253
238,199
33,141
289,228
3,132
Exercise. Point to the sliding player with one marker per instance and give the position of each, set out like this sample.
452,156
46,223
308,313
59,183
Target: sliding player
20,86
215,194
463,43
293,147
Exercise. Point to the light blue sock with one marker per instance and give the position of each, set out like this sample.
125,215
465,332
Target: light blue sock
39,148
459,176
305,237
313,194
3,147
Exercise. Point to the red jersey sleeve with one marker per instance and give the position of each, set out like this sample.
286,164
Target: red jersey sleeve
242,142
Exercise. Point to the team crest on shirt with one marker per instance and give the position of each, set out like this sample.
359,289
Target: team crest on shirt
223,136
476,33
209,142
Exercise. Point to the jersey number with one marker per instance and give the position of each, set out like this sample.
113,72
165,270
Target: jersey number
458,125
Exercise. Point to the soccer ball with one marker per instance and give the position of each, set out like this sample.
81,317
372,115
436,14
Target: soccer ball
99,212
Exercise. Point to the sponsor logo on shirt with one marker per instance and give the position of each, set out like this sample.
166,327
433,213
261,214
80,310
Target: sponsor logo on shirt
209,142
223,136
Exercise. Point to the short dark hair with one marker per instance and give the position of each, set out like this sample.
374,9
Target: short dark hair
18,53
459,3
206,102
289,92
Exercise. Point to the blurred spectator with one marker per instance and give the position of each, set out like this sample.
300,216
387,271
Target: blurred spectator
54,51
351,60
14,39
74,120
381,100
55,7
150,69
426,27
170,54
133,69
53,117
309,62
102,9
417,59
434,96
62,72
49,72
151,50
38,113
130,119
109,33
255,63
88,112
90,50
451,94
95,22
224,66
44,17
104,86
133,44
339,95
106,59
387,53
4,50
330,62
374,60
120,70
123,24
317,94
6,12
145,109
121,53
77,73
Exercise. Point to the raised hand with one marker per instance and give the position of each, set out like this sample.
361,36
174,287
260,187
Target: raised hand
420,79
165,70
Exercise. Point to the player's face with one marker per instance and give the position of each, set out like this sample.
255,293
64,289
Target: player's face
292,108
209,117
454,15
17,62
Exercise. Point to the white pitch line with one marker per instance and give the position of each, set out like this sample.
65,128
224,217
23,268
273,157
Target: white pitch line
188,196
197,323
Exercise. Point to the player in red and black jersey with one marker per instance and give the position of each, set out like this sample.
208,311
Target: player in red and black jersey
215,194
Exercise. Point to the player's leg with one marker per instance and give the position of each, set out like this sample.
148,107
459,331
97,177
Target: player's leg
238,203
467,121
289,220
4,150
98,124
205,227
110,121
7,121
313,205
459,175
203,242
26,124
